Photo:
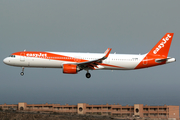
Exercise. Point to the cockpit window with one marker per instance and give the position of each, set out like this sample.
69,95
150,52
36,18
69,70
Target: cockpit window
12,56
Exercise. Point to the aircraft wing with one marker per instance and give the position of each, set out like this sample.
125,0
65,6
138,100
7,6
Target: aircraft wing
93,63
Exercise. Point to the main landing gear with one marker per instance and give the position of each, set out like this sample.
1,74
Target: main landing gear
88,75
22,73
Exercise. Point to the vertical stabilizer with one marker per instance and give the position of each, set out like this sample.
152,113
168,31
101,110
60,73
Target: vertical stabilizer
163,46
158,54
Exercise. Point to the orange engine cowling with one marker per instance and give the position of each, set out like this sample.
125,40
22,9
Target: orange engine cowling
70,69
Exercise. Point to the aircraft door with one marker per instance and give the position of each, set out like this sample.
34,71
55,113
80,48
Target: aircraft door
22,57
77,59
145,61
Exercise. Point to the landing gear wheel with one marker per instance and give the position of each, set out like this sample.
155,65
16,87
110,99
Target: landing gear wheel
22,73
88,75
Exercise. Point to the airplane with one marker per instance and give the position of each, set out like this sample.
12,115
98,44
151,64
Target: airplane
72,63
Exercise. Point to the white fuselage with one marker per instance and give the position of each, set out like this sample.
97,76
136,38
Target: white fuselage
113,62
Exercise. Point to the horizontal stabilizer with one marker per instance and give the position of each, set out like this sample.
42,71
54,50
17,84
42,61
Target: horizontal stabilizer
168,60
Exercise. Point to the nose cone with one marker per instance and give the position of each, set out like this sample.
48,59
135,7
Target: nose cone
6,61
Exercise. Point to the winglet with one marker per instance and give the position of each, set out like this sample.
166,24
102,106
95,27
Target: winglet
107,52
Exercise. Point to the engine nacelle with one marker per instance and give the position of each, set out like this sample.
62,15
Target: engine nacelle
70,69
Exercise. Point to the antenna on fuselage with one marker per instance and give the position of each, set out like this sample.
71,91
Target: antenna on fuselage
25,50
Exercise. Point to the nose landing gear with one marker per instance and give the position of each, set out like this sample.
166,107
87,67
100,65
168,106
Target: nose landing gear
22,73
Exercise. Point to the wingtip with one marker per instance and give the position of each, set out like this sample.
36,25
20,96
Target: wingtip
107,52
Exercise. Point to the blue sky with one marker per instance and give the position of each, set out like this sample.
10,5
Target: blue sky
128,27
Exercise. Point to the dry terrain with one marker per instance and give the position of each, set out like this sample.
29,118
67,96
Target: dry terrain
17,115
12,115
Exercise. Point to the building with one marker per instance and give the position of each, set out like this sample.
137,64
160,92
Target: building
138,110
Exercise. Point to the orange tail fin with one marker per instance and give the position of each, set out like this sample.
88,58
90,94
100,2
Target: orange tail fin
157,55
163,46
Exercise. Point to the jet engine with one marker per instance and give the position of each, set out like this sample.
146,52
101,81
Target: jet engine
70,69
